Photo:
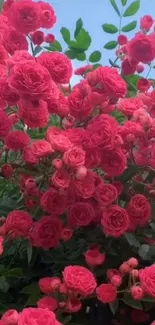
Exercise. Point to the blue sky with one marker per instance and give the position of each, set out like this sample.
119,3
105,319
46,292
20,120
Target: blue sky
94,13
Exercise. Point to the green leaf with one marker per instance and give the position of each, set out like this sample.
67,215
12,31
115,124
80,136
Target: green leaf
129,27
143,251
113,2
1,4
110,45
79,25
81,56
114,306
37,50
110,28
3,284
33,287
29,252
124,2
55,46
128,300
131,239
95,56
83,40
132,9
97,65
71,54
132,81
15,273
113,64
65,34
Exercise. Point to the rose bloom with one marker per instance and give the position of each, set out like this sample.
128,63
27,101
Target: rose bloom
73,304
49,284
18,57
10,317
75,135
48,302
58,105
139,210
80,103
141,48
5,124
3,55
38,316
113,162
146,22
29,157
25,16
58,142
58,65
80,214
32,80
17,140
66,234
147,280
7,93
83,70
41,149
144,84
129,105
129,67
94,257
74,157
14,40
85,187
106,293
7,170
47,15
106,194
18,223
115,221
34,114
61,178
46,232
50,201
79,279
37,37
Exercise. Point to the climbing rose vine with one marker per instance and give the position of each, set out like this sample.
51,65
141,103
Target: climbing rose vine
77,171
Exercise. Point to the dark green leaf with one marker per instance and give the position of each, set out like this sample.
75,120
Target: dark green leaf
128,300
71,54
37,50
143,251
114,306
81,56
95,56
3,284
33,287
124,2
1,4
55,46
132,81
15,273
97,65
110,45
129,27
83,40
29,252
113,2
65,34
132,9
131,239
79,25
32,300
110,28
113,64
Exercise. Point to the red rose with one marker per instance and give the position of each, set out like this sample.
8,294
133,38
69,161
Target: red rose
41,148
129,105
50,202
47,15
48,302
5,125
3,55
122,39
7,93
80,103
73,304
36,316
147,280
58,65
29,157
85,187
80,214
66,234
139,210
146,22
37,37
115,221
106,293
144,84
31,80
17,140
106,194
7,170
141,48
18,223
58,142
49,284
19,56
34,114
50,38
74,157
61,179
46,232
94,257
128,67
14,40
75,135
79,279
58,105
25,16
10,317
114,162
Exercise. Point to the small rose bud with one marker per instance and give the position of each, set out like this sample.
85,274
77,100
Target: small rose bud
135,273
81,173
57,163
137,292
116,280
133,262
124,268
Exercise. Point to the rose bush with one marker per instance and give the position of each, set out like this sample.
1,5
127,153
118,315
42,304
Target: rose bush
77,171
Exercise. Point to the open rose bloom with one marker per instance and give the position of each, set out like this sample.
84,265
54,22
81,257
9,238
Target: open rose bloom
77,170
